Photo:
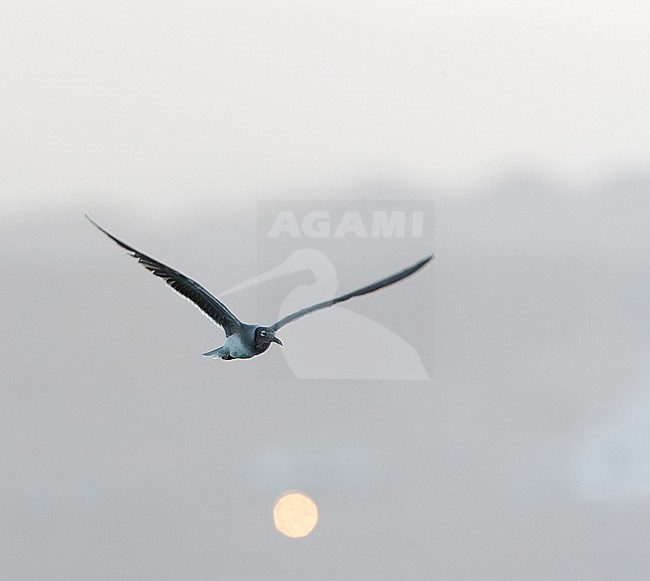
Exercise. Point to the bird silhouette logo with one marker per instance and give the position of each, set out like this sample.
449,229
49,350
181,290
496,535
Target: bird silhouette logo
356,338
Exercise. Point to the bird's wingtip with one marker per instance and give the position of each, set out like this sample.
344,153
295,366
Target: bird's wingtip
91,221
96,225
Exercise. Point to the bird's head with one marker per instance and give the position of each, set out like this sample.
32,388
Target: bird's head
264,336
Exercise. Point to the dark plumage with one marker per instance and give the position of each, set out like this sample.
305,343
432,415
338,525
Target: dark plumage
244,341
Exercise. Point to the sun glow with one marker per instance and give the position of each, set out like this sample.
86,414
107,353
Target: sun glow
295,514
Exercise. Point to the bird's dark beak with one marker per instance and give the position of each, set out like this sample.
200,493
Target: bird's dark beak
276,340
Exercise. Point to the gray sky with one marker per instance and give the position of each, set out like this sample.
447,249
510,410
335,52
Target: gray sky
125,455
163,102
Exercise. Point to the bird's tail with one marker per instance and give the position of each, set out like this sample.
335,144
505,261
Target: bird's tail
214,353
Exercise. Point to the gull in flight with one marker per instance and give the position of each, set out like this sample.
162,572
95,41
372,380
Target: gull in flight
243,340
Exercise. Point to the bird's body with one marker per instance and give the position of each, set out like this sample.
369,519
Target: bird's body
243,340
242,345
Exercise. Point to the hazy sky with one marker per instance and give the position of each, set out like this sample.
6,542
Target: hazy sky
126,455
164,101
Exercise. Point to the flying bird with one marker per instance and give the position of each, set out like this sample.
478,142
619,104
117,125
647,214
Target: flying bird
244,340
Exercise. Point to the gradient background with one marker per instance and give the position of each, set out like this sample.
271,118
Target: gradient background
125,455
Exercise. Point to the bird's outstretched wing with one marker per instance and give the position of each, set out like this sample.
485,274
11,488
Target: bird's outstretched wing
357,293
185,286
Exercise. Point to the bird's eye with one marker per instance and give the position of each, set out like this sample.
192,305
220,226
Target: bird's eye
263,333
